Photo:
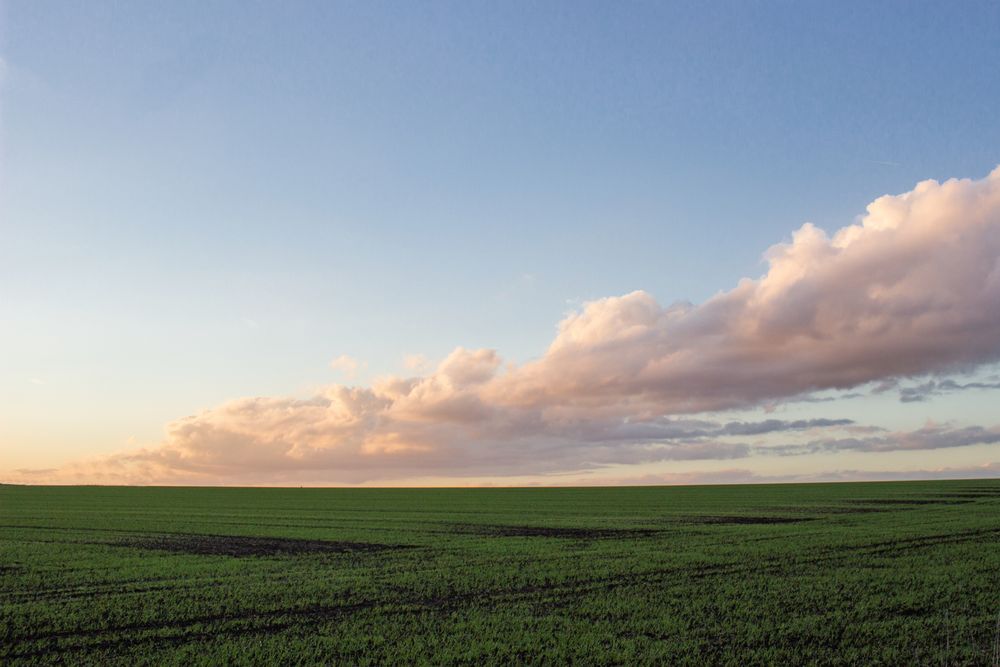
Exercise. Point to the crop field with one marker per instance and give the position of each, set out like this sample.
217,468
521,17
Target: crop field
904,573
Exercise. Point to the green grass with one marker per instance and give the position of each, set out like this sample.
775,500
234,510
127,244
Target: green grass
885,573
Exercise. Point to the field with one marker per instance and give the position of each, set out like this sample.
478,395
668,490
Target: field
877,573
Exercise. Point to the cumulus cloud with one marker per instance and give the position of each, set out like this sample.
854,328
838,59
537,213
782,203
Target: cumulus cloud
913,288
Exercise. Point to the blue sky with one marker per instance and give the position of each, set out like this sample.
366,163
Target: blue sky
202,202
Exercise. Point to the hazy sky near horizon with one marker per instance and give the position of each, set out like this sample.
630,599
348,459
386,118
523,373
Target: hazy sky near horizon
204,203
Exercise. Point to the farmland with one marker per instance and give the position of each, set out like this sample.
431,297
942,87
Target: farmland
859,573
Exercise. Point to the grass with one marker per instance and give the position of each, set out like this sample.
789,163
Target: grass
878,573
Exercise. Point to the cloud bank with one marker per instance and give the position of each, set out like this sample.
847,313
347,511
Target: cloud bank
988,470
911,289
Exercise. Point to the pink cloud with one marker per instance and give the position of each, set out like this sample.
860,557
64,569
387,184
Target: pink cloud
913,288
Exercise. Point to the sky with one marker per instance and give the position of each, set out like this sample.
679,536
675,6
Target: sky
338,243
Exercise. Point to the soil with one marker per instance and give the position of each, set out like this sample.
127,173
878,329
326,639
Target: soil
241,547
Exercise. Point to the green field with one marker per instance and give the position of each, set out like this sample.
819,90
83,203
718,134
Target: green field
878,573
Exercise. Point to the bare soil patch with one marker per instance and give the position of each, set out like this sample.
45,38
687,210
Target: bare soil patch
553,531
992,493
241,546
852,510
907,501
748,520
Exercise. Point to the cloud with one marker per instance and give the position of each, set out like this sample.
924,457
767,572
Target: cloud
922,392
772,406
774,425
931,436
416,362
345,433
913,288
988,470
348,366
342,437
